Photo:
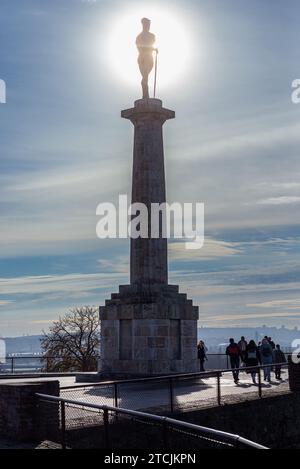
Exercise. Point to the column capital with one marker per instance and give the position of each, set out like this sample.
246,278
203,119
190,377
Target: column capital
148,109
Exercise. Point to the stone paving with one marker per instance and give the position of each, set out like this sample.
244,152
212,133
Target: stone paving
150,395
11,445
187,393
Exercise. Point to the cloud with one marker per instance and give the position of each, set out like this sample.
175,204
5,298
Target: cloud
250,136
118,264
270,185
290,304
41,322
212,249
283,200
5,302
72,283
249,317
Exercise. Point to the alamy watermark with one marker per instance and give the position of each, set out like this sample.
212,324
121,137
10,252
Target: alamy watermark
2,351
296,93
177,221
296,352
2,92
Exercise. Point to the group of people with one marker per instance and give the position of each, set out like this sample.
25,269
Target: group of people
250,355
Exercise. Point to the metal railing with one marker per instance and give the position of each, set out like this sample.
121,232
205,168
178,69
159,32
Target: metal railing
13,364
30,364
177,393
23,364
168,428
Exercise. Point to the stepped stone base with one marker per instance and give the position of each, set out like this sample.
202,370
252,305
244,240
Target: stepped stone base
148,331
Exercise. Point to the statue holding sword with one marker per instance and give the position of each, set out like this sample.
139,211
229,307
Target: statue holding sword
145,44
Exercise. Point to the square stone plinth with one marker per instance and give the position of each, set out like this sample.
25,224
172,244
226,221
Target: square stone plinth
148,332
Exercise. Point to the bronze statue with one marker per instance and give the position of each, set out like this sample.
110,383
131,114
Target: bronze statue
145,42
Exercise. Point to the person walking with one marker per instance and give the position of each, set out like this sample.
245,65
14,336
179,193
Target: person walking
202,354
234,354
242,344
271,342
252,359
279,358
266,353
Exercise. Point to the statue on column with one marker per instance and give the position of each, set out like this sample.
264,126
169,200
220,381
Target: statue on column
145,44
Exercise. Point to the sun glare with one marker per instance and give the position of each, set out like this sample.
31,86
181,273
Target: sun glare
172,41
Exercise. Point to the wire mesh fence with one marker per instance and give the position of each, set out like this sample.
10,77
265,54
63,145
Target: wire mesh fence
81,425
100,394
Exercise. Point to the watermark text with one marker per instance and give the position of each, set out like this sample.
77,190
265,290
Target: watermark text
296,93
2,92
156,221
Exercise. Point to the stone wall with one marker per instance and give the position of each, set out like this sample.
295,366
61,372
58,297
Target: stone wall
271,421
22,416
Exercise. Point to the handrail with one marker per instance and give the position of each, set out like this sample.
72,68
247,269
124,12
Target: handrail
54,357
41,355
230,437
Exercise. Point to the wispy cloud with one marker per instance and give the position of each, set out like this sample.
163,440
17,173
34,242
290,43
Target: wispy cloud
212,249
5,302
72,283
292,304
282,200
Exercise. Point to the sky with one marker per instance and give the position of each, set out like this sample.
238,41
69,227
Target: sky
234,146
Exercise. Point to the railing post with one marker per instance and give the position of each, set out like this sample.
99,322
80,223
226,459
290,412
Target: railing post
106,423
63,424
12,365
116,394
259,383
219,388
171,395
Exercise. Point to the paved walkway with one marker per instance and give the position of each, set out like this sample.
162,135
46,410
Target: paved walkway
152,394
187,393
5,444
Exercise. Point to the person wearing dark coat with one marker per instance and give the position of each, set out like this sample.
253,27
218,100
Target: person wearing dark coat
233,352
271,342
279,357
202,354
242,344
266,353
252,359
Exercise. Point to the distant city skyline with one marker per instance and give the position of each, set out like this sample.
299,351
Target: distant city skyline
234,146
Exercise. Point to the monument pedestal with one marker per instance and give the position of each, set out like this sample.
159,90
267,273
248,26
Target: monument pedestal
148,332
148,328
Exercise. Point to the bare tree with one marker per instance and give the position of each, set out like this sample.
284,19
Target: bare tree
72,344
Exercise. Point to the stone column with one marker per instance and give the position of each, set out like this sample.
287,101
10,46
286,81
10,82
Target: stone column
148,328
148,258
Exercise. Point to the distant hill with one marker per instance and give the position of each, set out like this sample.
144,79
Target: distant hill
216,337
